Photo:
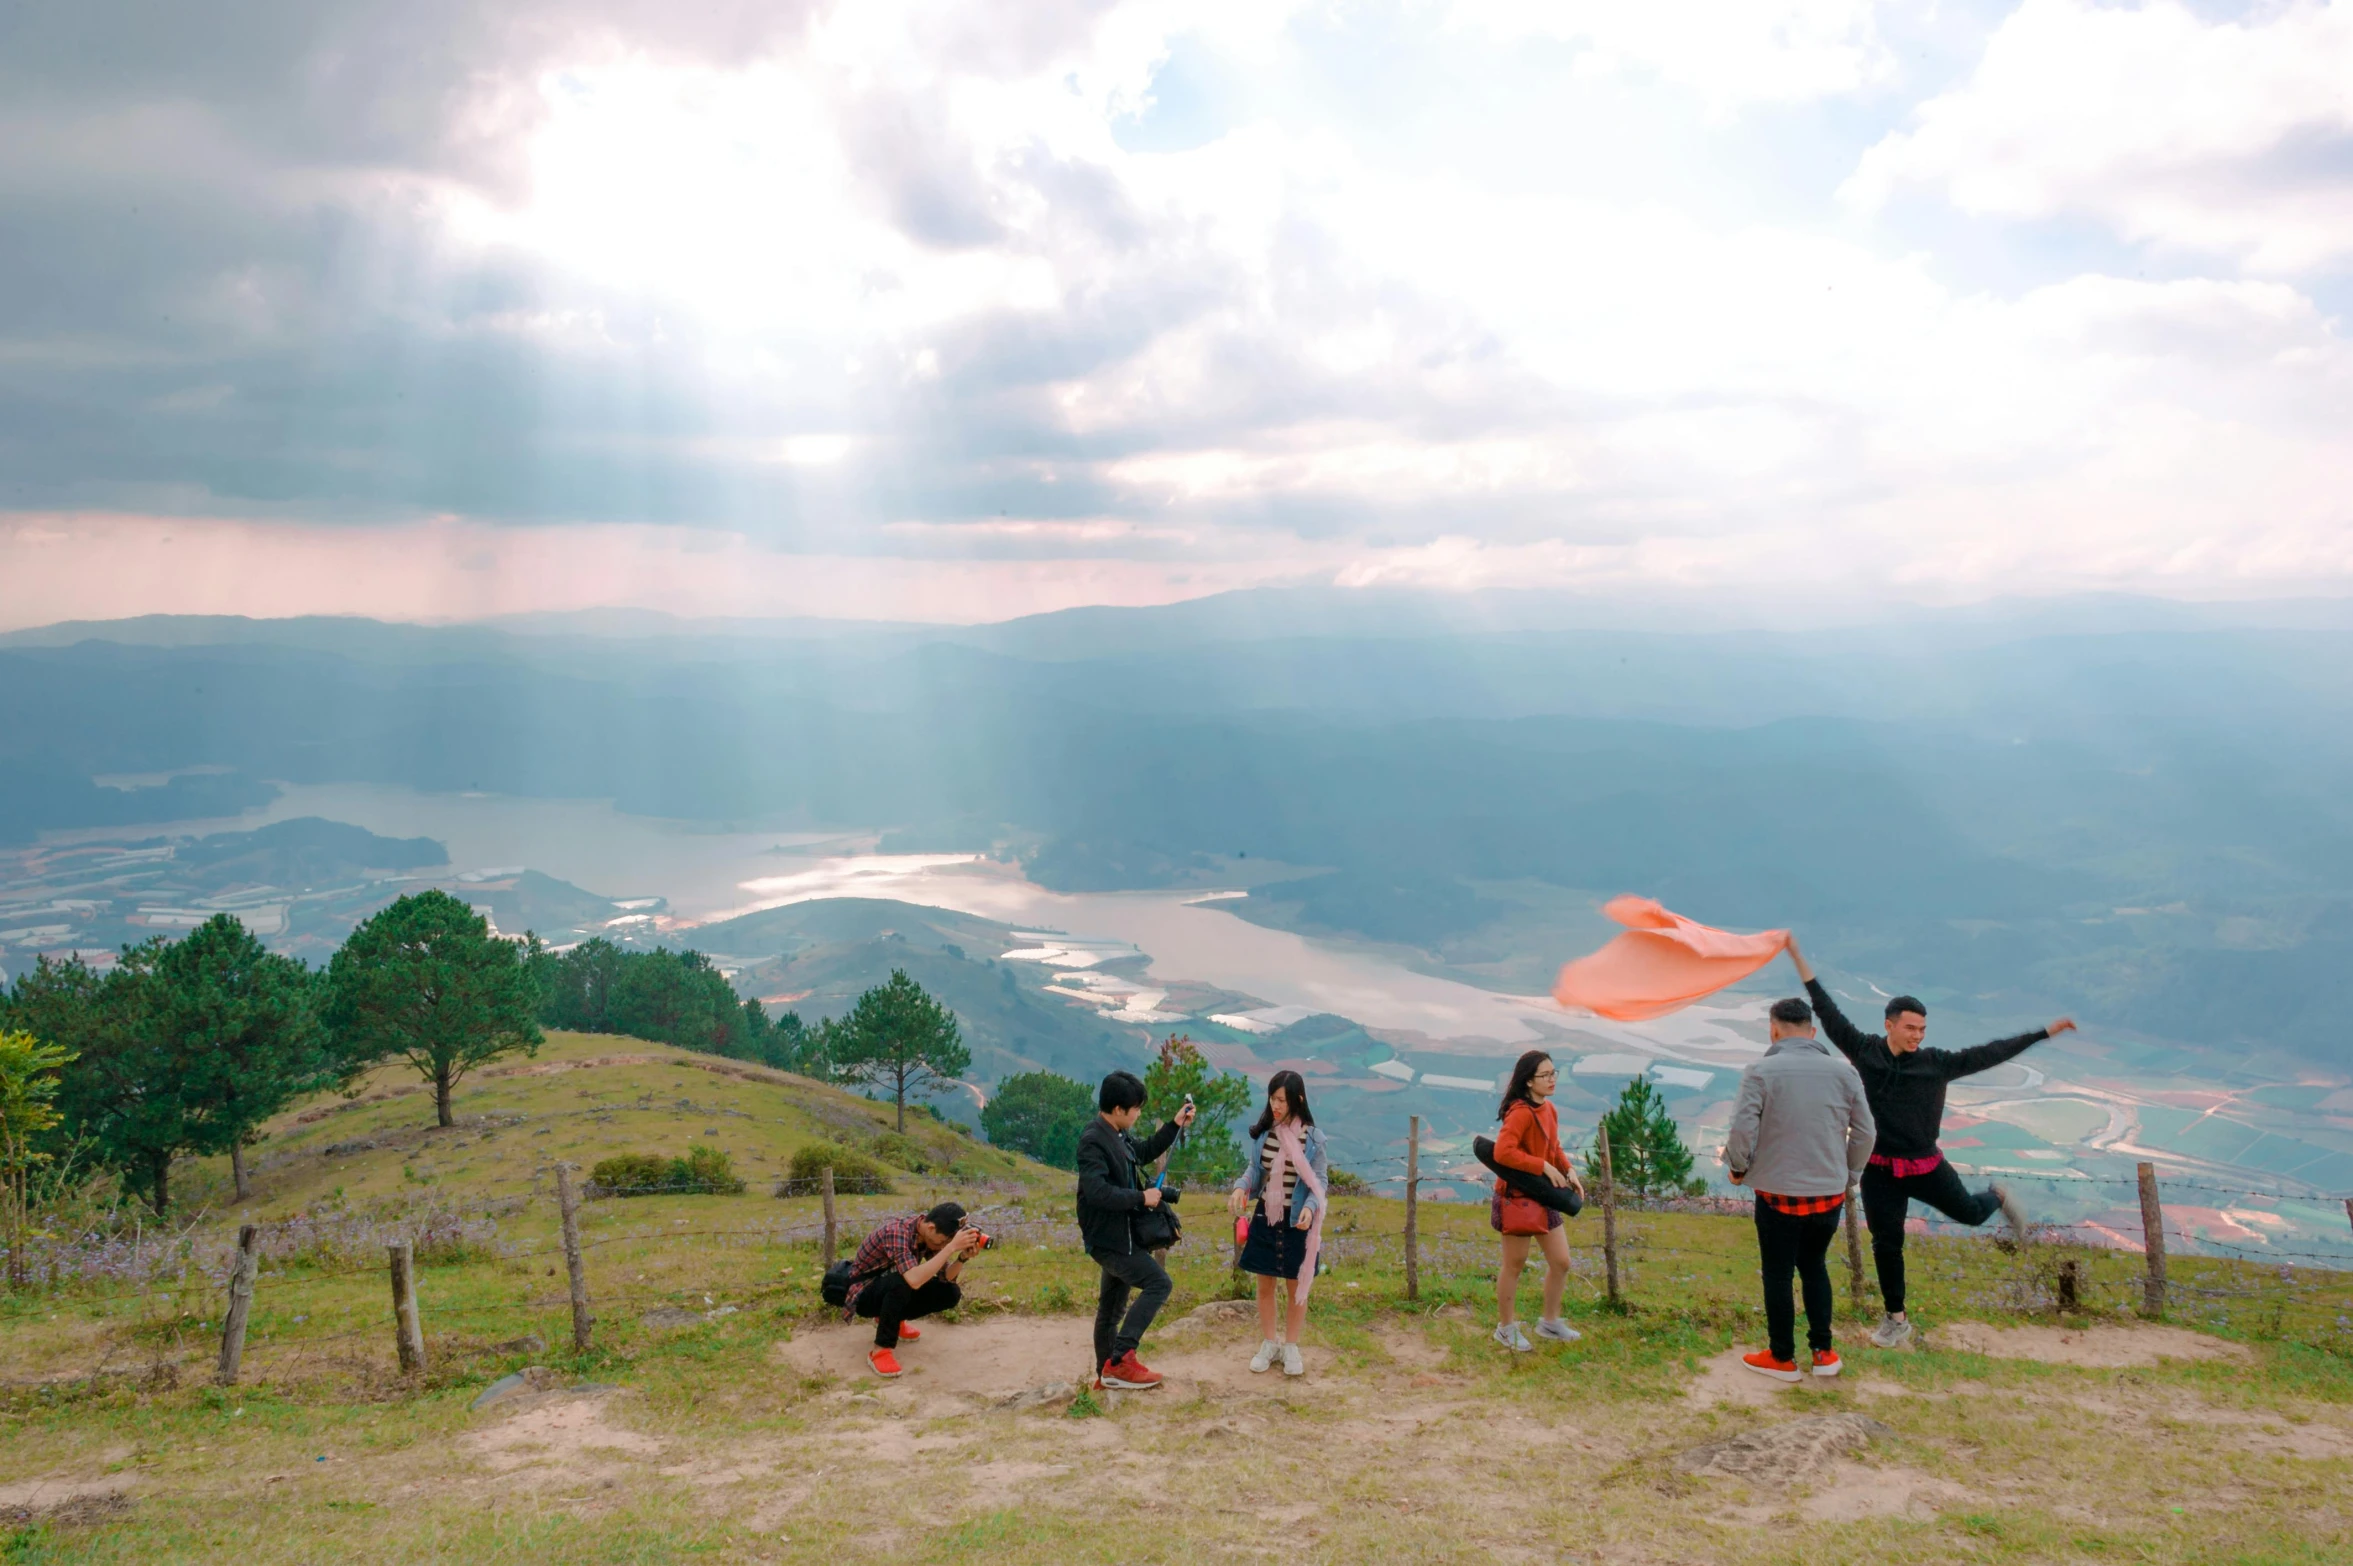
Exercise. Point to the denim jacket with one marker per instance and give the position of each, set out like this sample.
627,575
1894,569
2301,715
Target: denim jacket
1254,1170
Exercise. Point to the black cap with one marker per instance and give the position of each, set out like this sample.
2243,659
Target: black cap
948,1217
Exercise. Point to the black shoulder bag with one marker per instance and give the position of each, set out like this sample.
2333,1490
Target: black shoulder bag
839,1280
1158,1228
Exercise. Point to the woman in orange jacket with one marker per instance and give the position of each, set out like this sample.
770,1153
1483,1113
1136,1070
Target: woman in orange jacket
1530,1142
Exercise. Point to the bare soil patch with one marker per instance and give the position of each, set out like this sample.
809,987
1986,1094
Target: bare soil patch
64,1502
969,1364
2101,1347
1854,1491
558,1437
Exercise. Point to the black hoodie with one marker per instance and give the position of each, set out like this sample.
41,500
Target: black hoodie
1906,1092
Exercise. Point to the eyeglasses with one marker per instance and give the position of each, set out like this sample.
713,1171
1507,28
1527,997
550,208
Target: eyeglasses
1546,1072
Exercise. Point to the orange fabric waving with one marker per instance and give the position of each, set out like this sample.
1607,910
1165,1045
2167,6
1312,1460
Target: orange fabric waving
1662,963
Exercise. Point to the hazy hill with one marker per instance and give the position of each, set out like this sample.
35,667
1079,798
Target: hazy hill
828,952
2139,810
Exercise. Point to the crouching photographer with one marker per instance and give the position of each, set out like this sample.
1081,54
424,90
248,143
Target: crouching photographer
905,1269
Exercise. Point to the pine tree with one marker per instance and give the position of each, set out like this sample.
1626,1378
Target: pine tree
897,1036
426,980
1647,1155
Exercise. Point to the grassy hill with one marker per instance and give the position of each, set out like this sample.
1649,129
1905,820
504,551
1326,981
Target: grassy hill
721,1415
581,1098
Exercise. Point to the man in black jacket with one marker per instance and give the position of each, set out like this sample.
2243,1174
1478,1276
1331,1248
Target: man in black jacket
1110,1194
1905,1085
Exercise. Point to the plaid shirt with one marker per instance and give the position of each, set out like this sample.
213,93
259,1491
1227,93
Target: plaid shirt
892,1247
1801,1206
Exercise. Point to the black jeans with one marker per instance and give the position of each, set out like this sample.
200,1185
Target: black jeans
1789,1243
1887,1202
1141,1272
890,1302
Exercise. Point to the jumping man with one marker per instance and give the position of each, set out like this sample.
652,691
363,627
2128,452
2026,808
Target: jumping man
1906,1085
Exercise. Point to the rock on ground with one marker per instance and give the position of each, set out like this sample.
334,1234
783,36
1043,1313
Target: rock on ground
1777,1454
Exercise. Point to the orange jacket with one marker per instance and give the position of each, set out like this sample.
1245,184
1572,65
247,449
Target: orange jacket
1530,1139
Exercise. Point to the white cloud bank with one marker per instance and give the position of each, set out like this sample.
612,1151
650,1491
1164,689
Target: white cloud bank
958,314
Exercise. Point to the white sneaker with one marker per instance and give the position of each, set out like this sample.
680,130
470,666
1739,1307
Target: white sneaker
2012,1213
1555,1330
1293,1365
1264,1359
1892,1332
1511,1337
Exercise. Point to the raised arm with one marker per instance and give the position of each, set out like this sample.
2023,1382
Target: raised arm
1851,1041
1161,1141
1984,1057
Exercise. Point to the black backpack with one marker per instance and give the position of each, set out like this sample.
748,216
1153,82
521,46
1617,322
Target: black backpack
839,1280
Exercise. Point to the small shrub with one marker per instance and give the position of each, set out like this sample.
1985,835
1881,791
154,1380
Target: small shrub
630,1173
708,1170
903,1152
703,1171
1054,1298
850,1167
1347,1182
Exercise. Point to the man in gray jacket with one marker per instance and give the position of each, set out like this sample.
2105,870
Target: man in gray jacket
1801,1133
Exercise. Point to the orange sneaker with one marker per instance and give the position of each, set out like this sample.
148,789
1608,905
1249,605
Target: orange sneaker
1827,1362
907,1332
885,1363
1128,1374
1764,1364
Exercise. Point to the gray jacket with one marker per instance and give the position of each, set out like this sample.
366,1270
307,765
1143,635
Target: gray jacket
1801,1126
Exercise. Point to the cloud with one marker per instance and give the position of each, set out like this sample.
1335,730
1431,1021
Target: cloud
1731,53
829,297
2228,137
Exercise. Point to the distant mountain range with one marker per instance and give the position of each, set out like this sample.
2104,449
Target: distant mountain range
2140,811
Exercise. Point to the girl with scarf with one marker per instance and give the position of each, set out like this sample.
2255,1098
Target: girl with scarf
1282,1189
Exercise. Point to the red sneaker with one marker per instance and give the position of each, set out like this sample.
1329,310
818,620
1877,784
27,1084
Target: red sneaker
885,1363
907,1332
1827,1362
1764,1364
1128,1374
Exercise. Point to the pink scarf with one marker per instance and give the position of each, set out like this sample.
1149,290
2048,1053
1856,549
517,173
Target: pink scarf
1662,963
1291,1152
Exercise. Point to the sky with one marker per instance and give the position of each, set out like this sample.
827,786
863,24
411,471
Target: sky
912,310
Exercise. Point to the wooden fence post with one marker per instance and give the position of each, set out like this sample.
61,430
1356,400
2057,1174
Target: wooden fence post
408,1330
2349,1209
240,1303
825,1187
1854,1247
1413,1195
568,1206
2152,1244
1609,1214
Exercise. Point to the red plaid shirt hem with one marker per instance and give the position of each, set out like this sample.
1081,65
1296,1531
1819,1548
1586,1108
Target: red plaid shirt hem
1801,1206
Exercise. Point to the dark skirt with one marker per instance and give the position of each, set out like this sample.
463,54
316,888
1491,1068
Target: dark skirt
1273,1251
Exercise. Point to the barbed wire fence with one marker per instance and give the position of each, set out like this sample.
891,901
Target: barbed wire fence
278,1284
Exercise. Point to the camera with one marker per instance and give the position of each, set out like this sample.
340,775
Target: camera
986,1240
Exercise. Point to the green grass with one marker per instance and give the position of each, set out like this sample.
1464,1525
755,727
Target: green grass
1413,1440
